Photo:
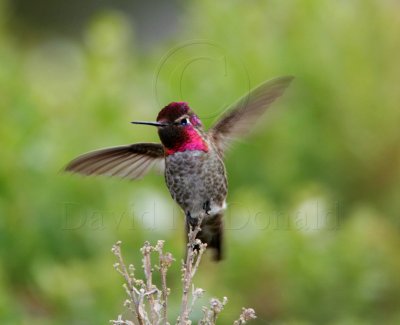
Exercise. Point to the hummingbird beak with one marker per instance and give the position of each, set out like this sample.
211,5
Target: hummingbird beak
150,123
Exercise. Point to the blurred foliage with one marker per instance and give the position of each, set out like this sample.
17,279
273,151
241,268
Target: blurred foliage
313,218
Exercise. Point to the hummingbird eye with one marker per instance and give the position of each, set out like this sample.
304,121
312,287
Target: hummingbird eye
184,121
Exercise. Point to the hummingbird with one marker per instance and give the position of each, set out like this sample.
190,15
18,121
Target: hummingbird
191,157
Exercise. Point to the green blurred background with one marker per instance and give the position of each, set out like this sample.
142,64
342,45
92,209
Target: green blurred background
313,217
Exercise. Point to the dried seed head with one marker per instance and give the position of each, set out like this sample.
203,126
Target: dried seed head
216,305
198,293
166,260
248,314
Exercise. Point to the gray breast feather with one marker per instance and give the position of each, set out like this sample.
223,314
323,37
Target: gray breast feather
194,178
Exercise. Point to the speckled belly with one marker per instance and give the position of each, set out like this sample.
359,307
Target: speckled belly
195,177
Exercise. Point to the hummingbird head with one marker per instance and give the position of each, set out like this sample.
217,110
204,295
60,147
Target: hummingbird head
179,128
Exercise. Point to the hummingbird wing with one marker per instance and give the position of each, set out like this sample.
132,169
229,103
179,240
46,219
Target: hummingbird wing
242,115
130,161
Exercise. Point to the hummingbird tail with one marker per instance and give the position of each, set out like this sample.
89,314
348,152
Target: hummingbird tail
212,234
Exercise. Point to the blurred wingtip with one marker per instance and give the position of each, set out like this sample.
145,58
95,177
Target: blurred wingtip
286,79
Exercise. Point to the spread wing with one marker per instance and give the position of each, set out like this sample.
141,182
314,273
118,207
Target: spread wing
131,161
241,116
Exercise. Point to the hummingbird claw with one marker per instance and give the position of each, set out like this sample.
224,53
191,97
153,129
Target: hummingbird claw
190,220
207,207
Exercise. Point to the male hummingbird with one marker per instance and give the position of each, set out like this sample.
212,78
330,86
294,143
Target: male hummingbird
192,158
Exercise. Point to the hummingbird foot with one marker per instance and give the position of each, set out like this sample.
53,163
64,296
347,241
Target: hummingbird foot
207,207
192,222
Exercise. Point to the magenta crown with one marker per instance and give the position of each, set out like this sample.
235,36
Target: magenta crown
175,110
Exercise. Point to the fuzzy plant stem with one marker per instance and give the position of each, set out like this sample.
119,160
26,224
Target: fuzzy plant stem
146,250
193,258
165,261
131,290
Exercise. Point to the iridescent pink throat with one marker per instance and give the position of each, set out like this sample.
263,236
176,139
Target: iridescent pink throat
192,141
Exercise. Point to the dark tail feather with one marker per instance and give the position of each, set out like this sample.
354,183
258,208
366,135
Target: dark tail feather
212,234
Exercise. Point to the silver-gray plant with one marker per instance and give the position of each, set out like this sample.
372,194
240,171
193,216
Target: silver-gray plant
149,304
